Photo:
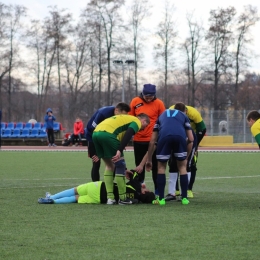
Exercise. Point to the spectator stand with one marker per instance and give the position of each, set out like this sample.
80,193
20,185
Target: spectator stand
30,133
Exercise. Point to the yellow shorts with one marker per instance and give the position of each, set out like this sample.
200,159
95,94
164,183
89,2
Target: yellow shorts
89,193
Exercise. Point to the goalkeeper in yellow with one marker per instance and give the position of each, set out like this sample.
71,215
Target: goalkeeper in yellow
95,192
199,128
253,120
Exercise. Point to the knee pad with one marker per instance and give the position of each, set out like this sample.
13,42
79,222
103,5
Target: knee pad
120,167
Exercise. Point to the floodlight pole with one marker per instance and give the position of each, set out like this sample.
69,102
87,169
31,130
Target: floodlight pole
123,74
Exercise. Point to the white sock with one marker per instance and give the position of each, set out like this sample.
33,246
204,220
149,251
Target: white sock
189,173
173,176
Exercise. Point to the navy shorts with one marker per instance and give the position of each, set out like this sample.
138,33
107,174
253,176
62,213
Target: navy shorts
171,144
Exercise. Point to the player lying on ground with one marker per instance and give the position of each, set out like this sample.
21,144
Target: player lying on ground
95,193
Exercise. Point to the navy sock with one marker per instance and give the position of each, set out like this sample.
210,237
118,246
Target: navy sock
184,185
161,181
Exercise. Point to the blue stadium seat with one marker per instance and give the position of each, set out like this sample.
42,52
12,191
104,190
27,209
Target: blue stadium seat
11,126
42,133
28,126
56,126
16,133
7,133
19,125
44,127
25,133
34,133
2,131
37,126
3,125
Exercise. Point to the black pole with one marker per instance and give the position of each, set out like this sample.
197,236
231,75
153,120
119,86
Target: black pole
0,128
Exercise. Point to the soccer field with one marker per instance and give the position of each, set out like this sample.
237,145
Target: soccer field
221,221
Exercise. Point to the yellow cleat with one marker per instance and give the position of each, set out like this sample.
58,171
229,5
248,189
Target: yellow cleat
190,194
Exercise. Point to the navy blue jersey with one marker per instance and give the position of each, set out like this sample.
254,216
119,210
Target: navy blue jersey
99,116
172,122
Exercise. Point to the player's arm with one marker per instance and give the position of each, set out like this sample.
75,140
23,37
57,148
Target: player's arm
190,140
140,167
151,148
98,118
125,140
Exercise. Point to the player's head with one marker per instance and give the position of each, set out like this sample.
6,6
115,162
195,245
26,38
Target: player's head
149,92
181,107
147,197
122,108
252,116
145,120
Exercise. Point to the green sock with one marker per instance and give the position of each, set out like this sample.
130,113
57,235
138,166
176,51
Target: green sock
108,178
120,180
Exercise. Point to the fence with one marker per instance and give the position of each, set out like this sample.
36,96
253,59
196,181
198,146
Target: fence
228,123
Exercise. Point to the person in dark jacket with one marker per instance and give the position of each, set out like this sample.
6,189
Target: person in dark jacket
49,119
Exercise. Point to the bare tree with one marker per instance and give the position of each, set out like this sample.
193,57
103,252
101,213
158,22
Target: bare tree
78,65
58,28
193,47
245,21
110,19
140,9
166,34
13,16
220,37
4,52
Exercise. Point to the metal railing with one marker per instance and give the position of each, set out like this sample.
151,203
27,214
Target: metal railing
228,123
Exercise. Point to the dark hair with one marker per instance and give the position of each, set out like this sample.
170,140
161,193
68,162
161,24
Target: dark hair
180,106
144,116
254,114
123,107
147,197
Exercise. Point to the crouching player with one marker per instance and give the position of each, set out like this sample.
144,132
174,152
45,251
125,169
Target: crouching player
95,193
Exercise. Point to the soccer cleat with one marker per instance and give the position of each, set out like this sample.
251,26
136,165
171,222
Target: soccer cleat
111,202
185,201
47,195
127,201
177,193
159,202
190,194
45,201
170,197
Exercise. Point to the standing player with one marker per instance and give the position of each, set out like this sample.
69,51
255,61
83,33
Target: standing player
173,134
253,120
100,115
147,103
199,128
110,139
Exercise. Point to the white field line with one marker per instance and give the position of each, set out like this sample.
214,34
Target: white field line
71,185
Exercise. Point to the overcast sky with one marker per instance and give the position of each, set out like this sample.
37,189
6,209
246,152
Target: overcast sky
38,9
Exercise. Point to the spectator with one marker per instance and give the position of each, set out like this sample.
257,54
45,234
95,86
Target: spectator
49,119
78,132
100,115
147,103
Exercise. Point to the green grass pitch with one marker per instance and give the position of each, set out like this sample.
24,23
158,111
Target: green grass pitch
221,221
